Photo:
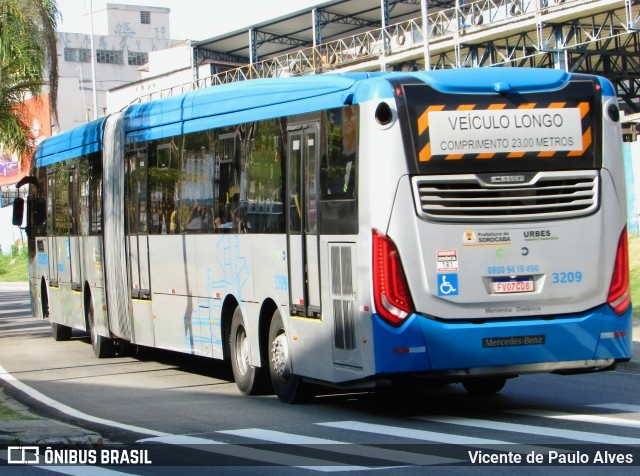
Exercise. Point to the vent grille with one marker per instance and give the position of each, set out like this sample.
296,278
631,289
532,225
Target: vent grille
342,297
467,198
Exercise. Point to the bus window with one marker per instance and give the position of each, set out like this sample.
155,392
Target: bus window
195,190
338,173
263,208
61,202
163,168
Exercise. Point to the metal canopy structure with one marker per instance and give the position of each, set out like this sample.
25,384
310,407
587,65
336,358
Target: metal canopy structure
306,28
590,36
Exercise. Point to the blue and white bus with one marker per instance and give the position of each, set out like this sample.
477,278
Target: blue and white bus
345,230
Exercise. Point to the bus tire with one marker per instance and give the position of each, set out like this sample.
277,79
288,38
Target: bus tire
250,380
484,385
60,332
103,347
288,387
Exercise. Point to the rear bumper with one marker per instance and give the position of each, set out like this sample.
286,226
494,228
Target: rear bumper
590,340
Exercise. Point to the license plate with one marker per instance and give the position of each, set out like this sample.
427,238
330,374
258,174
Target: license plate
512,285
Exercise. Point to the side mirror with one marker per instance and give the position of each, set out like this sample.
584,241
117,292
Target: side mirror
18,211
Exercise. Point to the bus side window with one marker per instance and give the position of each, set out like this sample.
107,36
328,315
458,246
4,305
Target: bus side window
338,174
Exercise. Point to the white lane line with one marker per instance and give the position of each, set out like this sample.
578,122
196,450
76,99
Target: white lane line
33,393
535,430
625,407
255,454
422,435
600,419
83,470
403,457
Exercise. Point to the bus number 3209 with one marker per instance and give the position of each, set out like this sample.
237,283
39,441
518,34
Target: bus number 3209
567,277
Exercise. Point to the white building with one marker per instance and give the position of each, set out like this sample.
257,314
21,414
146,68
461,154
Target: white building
124,35
168,72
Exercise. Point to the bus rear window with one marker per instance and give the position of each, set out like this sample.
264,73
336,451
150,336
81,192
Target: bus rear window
470,133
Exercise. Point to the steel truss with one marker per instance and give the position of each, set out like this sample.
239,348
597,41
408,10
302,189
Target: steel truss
595,36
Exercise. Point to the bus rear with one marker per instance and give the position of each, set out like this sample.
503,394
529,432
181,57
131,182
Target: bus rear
505,249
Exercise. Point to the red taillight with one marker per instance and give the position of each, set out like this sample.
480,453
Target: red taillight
390,291
619,296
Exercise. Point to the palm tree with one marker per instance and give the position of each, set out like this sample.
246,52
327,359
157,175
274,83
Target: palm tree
28,61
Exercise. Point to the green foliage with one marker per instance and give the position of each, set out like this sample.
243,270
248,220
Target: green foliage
7,413
14,267
28,61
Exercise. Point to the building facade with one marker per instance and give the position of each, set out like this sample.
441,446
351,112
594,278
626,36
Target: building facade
124,35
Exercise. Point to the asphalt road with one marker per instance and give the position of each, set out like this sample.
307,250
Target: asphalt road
188,411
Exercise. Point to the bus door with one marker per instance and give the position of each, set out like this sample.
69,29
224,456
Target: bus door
302,233
73,245
137,233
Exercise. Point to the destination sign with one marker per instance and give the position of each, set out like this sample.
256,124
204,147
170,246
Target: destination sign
505,130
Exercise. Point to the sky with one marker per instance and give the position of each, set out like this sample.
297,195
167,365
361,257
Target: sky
189,19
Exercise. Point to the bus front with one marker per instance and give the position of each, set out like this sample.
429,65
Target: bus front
505,250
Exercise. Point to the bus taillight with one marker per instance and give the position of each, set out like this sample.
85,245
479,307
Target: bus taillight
619,296
391,293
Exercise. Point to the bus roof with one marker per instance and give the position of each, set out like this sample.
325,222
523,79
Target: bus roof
247,101
75,142
488,80
237,103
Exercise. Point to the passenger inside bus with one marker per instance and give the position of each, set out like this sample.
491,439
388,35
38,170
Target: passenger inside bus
198,219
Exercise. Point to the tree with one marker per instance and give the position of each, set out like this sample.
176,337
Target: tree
28,62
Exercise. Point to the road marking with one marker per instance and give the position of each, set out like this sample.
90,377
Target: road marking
422,435
403,457
601,419
83,470
42,398
618,406
535,430
254,454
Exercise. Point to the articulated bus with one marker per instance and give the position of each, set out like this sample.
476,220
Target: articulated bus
345,230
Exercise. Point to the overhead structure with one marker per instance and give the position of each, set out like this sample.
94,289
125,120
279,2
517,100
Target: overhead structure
591,36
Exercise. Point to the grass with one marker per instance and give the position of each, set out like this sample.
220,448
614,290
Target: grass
13,267
7,413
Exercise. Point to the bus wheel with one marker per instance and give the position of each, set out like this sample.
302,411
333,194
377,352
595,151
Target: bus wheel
484,386
250,380
60,332
102,346
288,387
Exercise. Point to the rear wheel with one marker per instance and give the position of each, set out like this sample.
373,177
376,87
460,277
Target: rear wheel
485,385
288,387
250,380
60,332
102,346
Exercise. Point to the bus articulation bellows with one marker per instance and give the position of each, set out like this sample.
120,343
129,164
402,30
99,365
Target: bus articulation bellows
345,230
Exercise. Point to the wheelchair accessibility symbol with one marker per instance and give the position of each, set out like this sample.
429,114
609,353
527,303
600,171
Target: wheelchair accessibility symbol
447,285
